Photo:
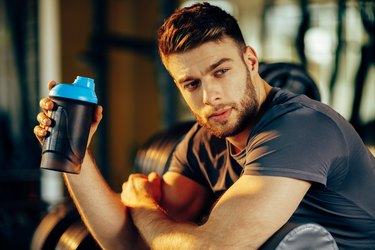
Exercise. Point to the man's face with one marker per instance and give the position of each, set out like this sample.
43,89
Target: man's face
217,85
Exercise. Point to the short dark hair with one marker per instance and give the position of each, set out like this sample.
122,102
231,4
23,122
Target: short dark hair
192,26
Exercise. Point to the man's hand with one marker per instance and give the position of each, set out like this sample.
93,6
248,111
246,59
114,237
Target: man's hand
141,190
46,104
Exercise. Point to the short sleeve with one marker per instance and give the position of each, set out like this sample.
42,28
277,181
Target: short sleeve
303,144
185,158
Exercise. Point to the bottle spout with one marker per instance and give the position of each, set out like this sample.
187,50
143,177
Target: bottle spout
85,82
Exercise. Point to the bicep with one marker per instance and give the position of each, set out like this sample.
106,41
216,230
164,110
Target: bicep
182,198
254,208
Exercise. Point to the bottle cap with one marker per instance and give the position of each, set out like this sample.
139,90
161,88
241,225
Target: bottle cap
82,89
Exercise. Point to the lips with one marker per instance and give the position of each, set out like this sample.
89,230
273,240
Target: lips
221,115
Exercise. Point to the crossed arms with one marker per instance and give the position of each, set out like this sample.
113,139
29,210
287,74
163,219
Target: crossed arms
162,210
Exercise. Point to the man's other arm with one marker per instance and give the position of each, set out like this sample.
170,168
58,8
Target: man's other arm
253,209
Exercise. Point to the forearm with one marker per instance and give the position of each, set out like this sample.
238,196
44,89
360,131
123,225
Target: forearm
104,214
160,232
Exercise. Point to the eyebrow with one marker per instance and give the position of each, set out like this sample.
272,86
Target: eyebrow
209,68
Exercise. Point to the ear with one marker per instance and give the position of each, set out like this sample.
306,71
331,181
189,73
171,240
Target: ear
250,59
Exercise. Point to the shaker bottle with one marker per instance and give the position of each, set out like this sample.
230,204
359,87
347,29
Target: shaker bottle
65,146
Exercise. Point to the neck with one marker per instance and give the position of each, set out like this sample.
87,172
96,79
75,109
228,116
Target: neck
238,141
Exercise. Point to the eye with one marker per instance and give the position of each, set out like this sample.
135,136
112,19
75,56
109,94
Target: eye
191,85
221,72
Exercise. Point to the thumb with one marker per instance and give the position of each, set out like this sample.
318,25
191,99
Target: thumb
154,179
98,114
97,117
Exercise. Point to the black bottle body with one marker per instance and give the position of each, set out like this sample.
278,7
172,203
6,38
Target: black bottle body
65,146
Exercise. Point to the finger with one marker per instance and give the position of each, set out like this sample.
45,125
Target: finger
123,197
40,133
136,180
98,114
136,176
51,84
124,185
43,119
46,104
123,193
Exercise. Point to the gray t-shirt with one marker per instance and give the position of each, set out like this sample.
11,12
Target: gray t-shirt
300,138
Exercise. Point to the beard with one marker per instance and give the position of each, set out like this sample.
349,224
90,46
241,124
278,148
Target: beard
247,110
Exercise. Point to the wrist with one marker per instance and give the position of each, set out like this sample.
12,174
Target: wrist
150,210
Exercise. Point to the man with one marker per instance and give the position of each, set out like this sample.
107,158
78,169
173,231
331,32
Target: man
263,155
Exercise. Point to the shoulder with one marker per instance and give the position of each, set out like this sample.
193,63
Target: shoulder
307,123
291,111
298,137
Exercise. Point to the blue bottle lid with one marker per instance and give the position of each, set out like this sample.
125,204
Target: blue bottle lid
82,89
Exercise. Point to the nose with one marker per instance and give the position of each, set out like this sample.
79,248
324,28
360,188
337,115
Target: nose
211,93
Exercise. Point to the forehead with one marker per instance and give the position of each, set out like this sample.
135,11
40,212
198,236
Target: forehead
203,56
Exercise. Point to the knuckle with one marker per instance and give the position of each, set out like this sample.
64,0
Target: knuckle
42,103
46,103
39,131
153,175
42,119
133,176
39,116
